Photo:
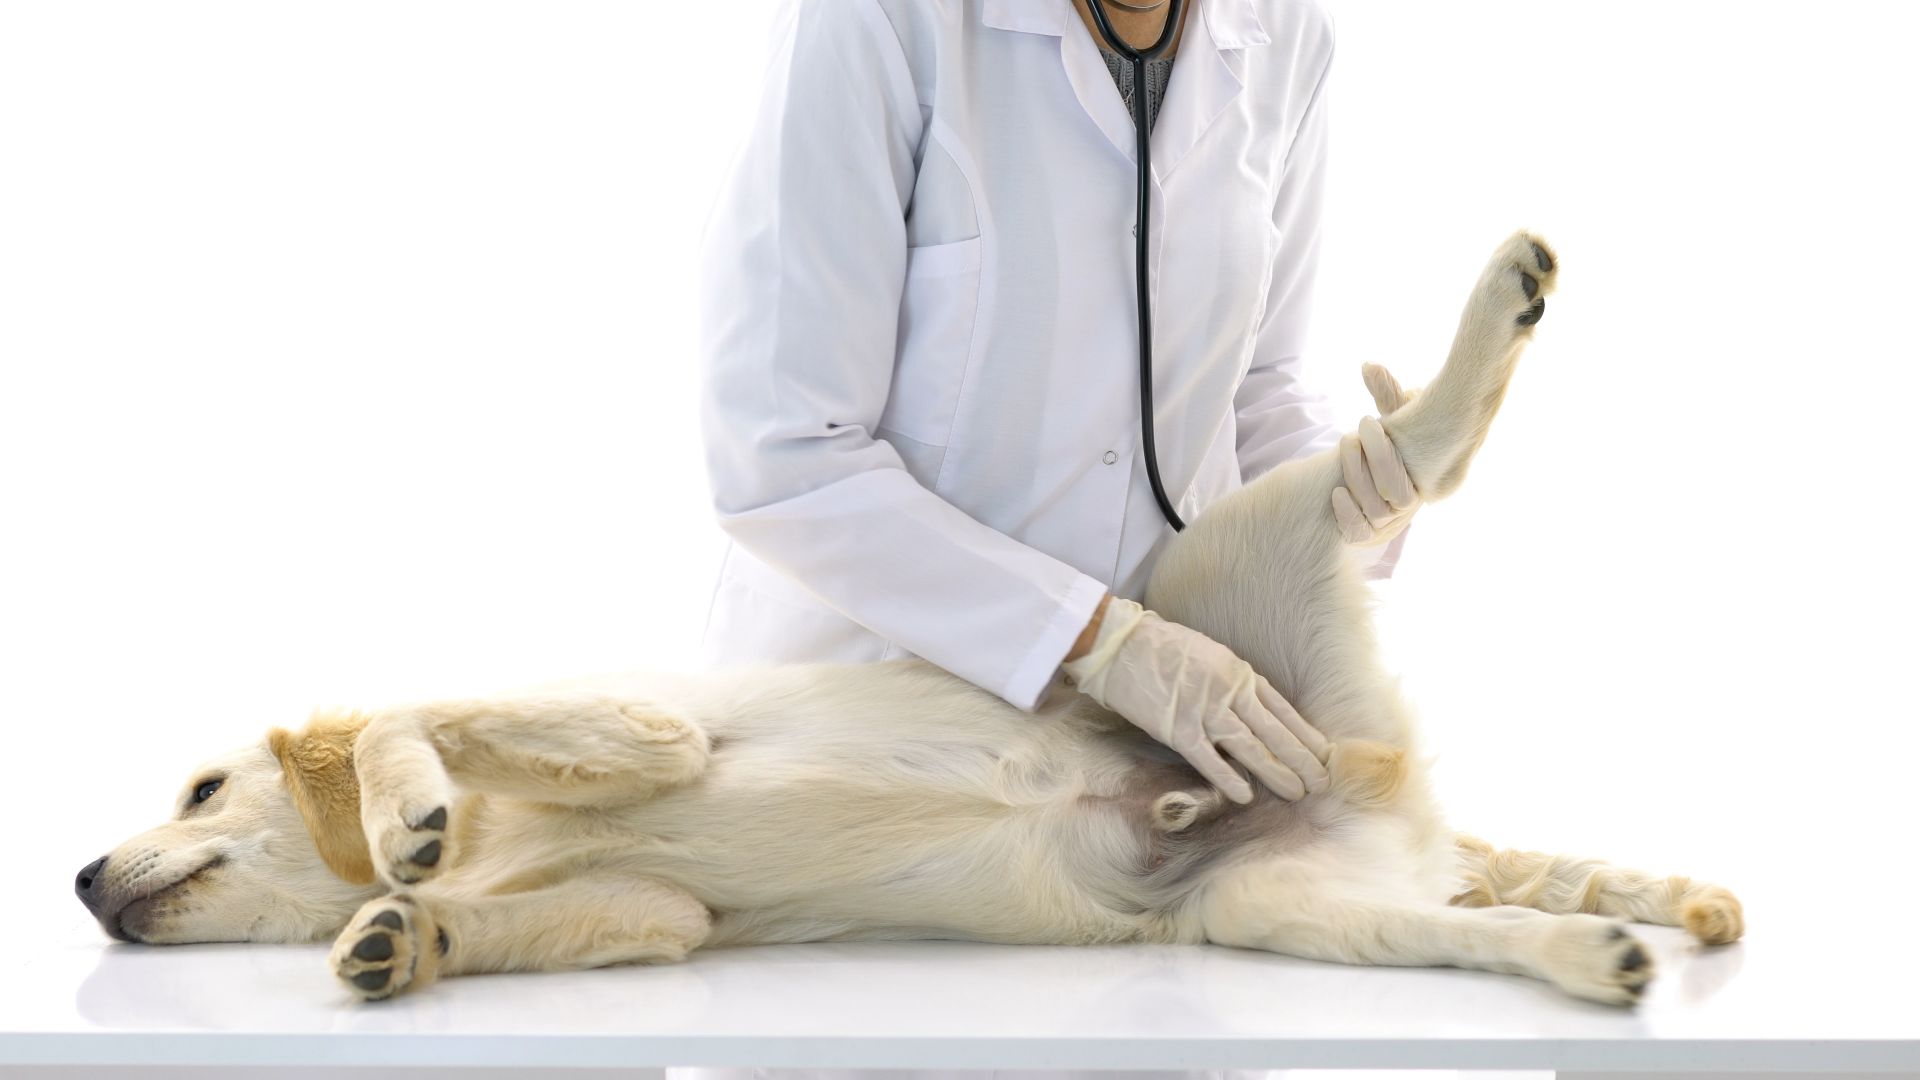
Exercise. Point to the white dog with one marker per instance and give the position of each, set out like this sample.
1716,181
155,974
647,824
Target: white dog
634,820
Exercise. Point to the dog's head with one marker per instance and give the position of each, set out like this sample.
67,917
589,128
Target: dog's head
264,845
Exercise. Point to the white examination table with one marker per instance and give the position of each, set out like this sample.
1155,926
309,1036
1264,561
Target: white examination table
1822,1002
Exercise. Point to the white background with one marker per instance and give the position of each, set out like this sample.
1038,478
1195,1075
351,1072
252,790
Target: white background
348,356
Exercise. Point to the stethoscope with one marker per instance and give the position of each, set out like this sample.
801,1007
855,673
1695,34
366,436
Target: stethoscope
1138,59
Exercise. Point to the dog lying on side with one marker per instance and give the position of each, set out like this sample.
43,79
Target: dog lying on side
632,820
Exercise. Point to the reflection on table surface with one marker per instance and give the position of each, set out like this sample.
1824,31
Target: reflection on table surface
897,989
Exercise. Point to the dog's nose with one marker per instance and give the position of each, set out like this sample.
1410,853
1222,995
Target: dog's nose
83,884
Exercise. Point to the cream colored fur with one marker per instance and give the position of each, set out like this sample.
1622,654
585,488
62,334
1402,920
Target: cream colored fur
635,819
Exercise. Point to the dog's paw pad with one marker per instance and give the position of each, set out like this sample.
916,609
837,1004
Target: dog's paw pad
1597,959
414,846
379,953
1512,295
1633,959
372,981
374,947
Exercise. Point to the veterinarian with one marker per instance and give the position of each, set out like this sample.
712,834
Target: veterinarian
921,409
920,404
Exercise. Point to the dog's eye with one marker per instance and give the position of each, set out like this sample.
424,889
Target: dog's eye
205,790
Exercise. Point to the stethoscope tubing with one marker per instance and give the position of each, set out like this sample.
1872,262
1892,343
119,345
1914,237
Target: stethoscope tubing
1138,58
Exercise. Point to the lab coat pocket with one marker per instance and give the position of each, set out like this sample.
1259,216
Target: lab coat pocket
937,314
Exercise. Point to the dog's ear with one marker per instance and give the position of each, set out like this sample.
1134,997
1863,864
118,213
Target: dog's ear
318,762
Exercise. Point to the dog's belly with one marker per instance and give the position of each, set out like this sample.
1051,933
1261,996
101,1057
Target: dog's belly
936,842
845,860
894,800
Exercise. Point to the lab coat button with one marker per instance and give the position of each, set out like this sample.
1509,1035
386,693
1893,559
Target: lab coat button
1110,457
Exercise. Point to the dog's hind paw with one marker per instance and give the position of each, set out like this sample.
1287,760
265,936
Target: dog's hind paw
1714,917
1512,294
391,944
1595,958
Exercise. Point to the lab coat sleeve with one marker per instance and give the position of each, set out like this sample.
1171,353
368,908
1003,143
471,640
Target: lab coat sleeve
805,262
1276,417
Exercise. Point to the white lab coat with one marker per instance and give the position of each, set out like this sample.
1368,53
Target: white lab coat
921,387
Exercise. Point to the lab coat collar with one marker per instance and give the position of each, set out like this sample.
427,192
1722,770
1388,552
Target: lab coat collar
1203,85
1233,24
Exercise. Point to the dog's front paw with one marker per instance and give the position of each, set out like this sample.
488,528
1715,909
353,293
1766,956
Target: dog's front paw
408,835
391,944
1595,958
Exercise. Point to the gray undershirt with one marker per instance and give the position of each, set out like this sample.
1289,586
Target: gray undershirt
1158,71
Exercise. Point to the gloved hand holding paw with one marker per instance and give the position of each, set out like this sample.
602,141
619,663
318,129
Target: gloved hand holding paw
1379,498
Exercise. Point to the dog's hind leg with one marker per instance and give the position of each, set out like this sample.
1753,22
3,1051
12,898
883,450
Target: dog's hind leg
1564,883
1266,571
1293,908
406,940
569,750
1440,428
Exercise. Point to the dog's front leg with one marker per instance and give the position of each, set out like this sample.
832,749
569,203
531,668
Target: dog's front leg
406,940
568,750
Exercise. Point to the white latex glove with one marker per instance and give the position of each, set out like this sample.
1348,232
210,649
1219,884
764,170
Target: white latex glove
1193,694
1379,498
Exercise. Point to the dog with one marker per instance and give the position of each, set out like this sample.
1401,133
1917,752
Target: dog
631,819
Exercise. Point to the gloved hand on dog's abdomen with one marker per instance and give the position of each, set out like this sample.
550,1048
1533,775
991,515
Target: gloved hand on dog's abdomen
1378,498
1199,698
